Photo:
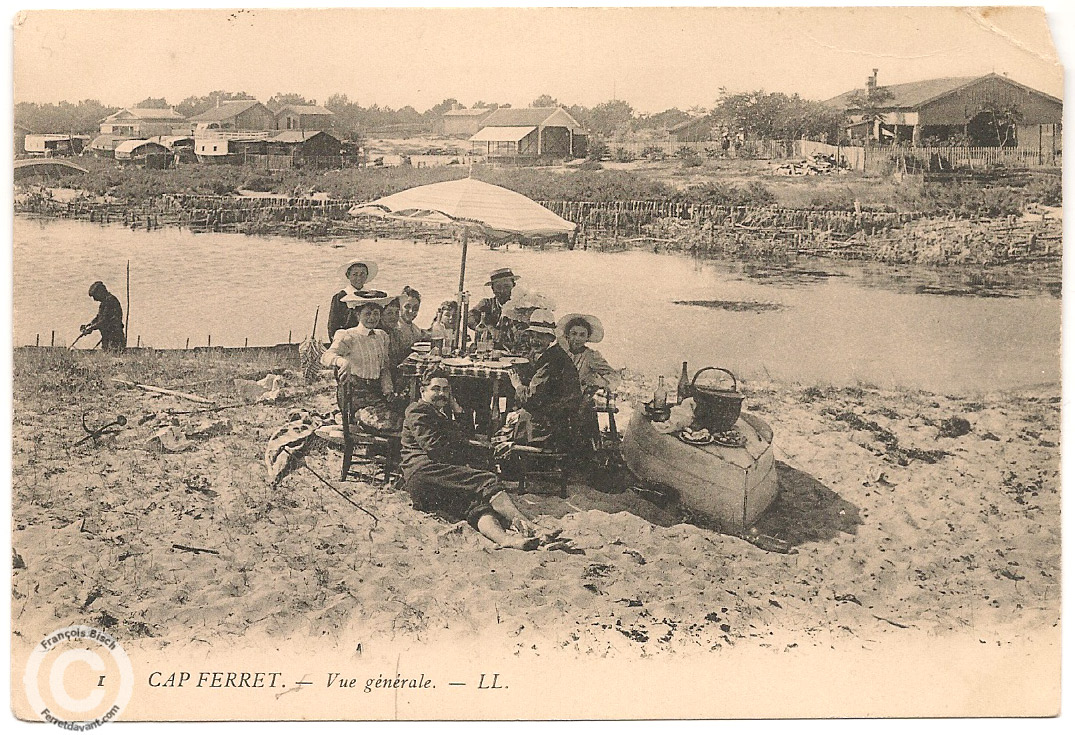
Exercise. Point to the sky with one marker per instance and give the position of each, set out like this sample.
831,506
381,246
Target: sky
654,58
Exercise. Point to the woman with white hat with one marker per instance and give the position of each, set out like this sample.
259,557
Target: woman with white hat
356,274
553,396
594,371
360,356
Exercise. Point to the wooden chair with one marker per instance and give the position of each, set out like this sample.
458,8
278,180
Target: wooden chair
382,447
532,462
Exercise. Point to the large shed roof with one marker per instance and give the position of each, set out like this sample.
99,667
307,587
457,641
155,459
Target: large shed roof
512,116
306,110
916,94
225,111
502,134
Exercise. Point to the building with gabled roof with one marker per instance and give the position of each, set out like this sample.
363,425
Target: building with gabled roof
988,110
141,122
235,115
304,117
530,132
465,122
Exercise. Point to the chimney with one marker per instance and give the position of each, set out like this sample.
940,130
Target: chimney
871,84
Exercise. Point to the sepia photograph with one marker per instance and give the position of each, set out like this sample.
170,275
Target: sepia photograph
535,363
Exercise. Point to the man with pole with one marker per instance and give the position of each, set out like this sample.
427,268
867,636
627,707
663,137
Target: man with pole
109,319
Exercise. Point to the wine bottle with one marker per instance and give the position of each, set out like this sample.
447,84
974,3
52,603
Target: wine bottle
683,390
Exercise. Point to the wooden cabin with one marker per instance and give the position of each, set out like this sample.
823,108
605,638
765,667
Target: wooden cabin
141,122
464,123
530,132
304,117
986,111
235,115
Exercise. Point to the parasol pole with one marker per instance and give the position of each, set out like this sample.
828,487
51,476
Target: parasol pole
127,323
462,336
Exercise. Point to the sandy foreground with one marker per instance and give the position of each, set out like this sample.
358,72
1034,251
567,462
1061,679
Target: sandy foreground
902,537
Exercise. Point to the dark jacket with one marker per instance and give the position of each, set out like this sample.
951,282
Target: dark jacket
109,319
340,315
429,435
554,395
488,307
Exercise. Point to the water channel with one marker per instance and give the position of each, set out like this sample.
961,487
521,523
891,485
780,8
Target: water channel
818,322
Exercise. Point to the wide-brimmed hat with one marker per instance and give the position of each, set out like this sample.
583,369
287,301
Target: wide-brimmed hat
358,299
501,273
597,331
542,320
523,302
371,268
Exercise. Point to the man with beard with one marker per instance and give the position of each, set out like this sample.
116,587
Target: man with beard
435,474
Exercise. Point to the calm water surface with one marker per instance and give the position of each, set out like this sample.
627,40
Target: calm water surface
838,329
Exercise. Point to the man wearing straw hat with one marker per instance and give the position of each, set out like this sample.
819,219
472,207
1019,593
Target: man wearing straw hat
501,281
356,274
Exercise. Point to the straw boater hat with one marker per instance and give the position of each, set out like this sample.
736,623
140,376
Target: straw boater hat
371,268
358,299
597,332
542,321
500,273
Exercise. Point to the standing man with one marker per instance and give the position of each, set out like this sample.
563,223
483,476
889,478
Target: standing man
109,319
502,281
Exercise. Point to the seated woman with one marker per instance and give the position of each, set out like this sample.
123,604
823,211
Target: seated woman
552,396
445,323
433,461
360,356
356,273
404,333
594,371
515,318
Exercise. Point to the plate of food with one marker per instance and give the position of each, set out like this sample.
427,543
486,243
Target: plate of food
730,438
513,360
421,348
697,437
457,361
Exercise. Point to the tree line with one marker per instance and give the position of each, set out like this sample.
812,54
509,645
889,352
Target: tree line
757,114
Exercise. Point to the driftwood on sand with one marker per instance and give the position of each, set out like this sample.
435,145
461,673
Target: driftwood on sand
164,391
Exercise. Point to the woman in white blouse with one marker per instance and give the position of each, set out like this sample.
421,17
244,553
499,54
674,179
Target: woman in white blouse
360,356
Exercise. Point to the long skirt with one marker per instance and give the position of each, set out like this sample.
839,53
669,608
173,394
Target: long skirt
455,491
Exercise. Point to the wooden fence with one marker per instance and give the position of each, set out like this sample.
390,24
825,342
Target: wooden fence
873,159
284,162
751,149
915,159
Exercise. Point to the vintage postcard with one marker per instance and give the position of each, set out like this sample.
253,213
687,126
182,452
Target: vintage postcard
559,363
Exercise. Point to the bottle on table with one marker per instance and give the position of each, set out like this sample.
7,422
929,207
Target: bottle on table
483,338
660,394
683,389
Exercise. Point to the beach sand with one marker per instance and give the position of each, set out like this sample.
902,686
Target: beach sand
897,532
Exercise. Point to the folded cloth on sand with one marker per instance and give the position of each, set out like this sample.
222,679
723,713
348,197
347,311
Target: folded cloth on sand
287,441
266,389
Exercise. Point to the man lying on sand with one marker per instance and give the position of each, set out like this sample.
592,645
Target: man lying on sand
434,473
